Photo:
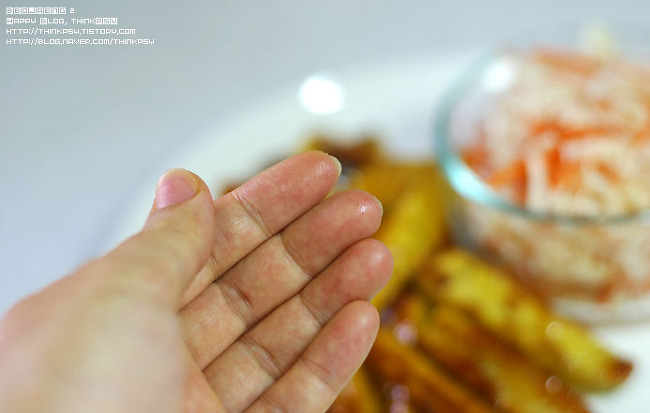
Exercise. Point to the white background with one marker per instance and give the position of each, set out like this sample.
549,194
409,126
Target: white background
81,127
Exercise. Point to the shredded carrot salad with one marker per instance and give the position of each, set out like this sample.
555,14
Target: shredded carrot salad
570,136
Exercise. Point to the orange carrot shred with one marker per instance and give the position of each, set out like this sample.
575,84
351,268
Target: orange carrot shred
566,132
513,174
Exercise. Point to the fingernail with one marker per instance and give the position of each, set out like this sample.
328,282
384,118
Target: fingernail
174,187
337,163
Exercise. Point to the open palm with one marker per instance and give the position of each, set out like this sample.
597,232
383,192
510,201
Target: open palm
253,302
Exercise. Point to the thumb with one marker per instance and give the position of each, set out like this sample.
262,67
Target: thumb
174,244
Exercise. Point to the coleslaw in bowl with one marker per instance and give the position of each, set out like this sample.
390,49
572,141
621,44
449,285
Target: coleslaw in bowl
546,143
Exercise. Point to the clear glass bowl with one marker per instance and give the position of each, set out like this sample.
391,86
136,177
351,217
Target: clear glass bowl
592,268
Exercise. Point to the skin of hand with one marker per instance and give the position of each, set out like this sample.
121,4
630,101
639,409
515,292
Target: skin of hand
253,302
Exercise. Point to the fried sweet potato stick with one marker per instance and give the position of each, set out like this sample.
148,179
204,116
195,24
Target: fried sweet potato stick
508,380
511,381
518,317
362,151
413,224
431,389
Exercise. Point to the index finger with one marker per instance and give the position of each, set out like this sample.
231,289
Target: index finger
261,207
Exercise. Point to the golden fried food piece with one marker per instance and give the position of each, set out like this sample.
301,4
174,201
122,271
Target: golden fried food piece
411,233
413,225
358,396
508,379
503,375
431,390
364,150
506,309
388,180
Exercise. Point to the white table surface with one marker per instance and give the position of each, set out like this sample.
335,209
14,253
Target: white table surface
81,127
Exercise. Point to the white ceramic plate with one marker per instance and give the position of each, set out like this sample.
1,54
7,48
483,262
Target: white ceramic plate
396,99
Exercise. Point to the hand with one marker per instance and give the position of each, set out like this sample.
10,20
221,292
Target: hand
253,302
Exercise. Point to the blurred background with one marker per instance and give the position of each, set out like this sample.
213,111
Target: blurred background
83,129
